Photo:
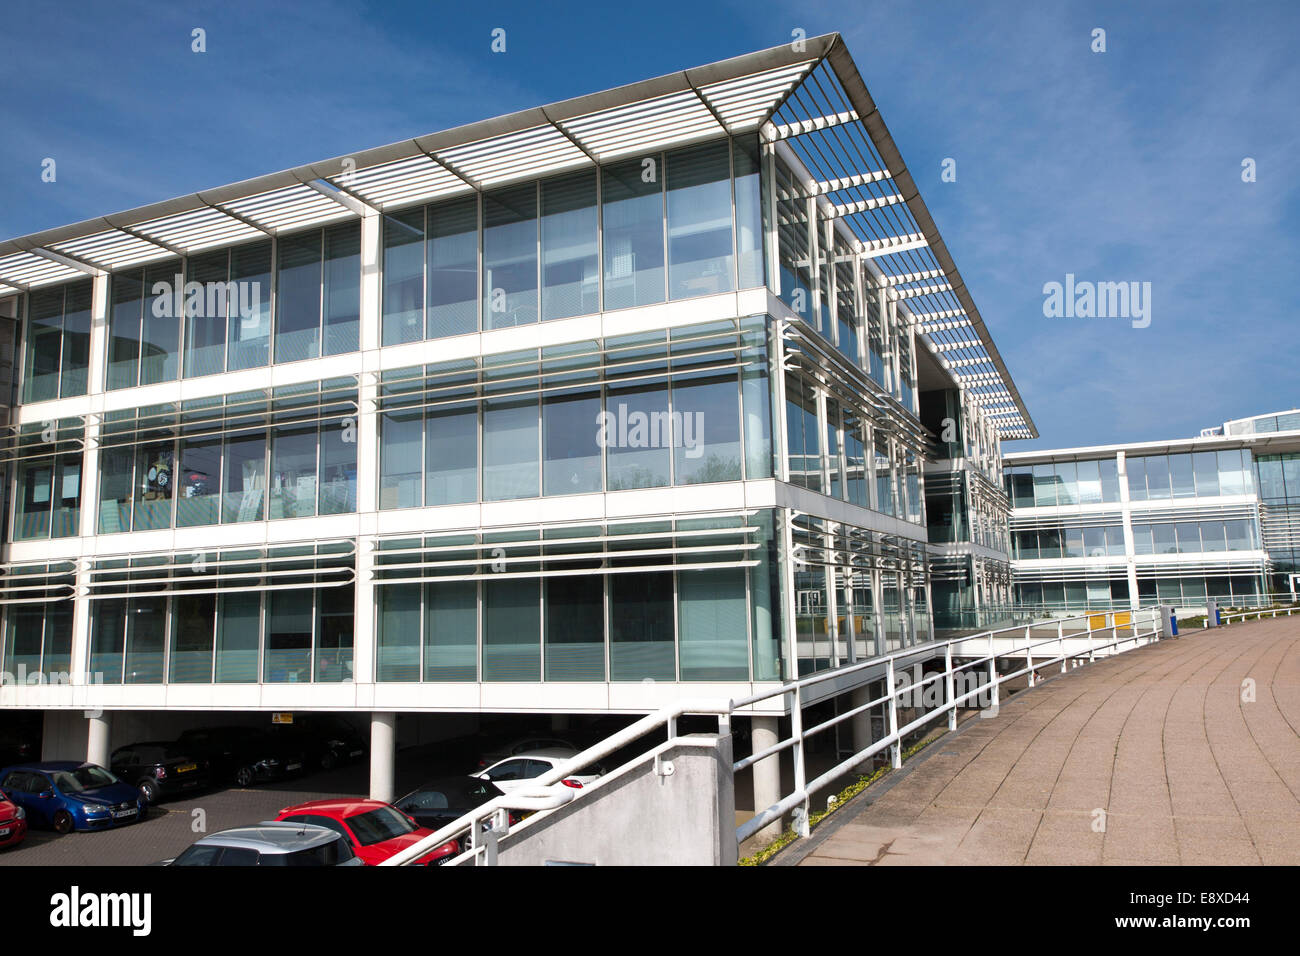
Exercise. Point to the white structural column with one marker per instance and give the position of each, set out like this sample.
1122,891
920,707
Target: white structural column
97,739
367,434
766,773
82,607
383,750
861,723
1130,565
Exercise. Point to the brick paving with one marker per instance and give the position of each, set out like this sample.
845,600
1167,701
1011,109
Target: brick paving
1181,752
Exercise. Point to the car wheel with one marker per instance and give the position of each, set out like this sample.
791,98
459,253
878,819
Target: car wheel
63,822
244,776
329,761
149,791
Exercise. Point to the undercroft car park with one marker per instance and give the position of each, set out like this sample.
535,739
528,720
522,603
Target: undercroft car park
393,508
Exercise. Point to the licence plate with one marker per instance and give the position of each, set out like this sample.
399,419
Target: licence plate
119,814
4,832
186,768
294,766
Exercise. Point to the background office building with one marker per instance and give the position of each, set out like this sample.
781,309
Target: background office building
579,409
1217,516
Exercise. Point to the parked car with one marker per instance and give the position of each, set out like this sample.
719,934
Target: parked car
159,769
375,830
13,822
327,741
514,772
68,795
245,755
269,844
521,745
446,799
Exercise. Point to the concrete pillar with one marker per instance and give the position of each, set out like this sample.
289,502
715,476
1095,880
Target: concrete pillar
97,744
383,739
766,773
861,723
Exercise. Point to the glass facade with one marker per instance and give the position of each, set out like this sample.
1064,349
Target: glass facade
57,356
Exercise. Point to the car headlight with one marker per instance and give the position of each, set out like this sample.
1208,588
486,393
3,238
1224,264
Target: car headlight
20,813
96,811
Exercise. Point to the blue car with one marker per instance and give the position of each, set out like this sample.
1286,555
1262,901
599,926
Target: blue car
67,795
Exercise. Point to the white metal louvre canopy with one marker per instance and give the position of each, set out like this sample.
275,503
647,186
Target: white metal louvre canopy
808,94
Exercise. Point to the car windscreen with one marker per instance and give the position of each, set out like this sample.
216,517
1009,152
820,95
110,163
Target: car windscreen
378,825
83,778
464,795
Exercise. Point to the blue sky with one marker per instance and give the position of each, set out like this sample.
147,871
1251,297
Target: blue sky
1115,166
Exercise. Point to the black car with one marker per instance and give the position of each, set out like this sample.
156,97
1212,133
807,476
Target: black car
159,769
443,800
245,755
326,740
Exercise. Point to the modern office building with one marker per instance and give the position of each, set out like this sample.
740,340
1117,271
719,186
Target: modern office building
1217,516
580,409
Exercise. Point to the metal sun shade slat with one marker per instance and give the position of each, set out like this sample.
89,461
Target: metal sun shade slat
544,150
33,270
198,228
113,249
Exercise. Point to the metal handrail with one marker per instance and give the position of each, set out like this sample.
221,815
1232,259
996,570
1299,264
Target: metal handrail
544,796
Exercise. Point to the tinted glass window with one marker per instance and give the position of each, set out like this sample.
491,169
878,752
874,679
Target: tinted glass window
378,825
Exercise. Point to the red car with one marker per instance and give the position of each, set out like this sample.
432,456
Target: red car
376,830
13,822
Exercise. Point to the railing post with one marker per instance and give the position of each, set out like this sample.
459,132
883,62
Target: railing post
951,687
800,769
1029,655
993,674
1060,641
896,749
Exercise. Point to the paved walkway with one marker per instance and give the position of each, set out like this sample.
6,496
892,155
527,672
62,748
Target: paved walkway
1181,752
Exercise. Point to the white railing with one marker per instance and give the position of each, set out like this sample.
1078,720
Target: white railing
976,670
1256,614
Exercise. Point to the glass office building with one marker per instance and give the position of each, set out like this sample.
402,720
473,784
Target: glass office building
1175,522
577,409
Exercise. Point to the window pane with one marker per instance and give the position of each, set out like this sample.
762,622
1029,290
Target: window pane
161,344
298,297
510,453
708,447
1137,478
638,440
146,632
288,636
714,639
334,626
115,474
699,221
205,316
35,498
293,473
1109,479
65,519
510,257
155,478
575,633
1206,466
398,653
511,631
1089,482
338,467
76,340
633,222
1180,471
451,631
250,335
199,482
108,639
403,277
453,268
245,479
399,460
342,288
1157,477
44,345
451,457
127,293
641,626
1212,536
570,283
570,436
749,212
193,621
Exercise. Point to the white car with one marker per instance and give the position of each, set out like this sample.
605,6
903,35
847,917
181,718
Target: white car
513,772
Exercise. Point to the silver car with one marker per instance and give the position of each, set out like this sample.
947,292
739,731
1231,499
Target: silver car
270,843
